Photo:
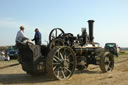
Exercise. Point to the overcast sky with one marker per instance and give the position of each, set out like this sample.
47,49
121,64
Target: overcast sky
111,18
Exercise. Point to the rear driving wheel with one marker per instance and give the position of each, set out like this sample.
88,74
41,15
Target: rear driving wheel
107,62
61,62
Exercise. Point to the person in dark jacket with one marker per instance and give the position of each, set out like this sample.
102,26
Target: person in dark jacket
37,37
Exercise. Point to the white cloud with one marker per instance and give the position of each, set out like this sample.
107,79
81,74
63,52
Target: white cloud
7,22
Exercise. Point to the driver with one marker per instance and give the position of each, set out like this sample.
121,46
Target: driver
20,37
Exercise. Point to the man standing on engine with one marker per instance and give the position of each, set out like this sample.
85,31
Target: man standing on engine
85,36
37,37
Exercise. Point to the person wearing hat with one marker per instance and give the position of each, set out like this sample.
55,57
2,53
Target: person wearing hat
84,36
20,37
37,37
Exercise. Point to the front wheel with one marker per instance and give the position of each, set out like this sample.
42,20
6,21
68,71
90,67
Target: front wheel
106,62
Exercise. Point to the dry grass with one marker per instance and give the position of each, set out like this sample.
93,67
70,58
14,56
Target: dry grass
16,76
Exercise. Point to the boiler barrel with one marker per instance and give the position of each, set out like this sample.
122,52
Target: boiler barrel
83,51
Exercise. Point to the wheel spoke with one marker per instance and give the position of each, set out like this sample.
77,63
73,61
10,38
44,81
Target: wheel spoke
109,68
106,59
58,53
109,62
57,58
56,33
65,56
52,36
58,73
61,56
63,74
54,67
67,70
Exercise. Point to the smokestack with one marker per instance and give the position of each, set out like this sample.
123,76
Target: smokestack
90,24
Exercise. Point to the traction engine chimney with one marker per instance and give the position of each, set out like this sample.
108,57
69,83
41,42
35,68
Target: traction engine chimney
90,24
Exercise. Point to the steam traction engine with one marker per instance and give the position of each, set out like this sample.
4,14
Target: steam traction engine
65,53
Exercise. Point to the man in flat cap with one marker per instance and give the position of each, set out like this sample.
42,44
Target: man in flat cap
37,37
